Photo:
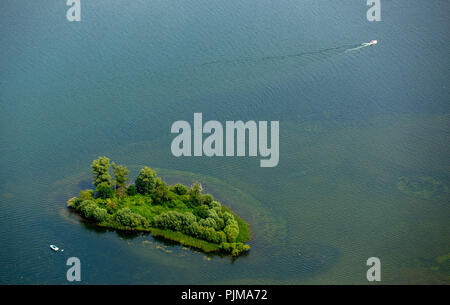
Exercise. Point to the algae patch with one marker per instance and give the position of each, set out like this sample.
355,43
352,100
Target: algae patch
424,187
439,264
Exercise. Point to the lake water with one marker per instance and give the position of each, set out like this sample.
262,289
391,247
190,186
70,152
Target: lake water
352,124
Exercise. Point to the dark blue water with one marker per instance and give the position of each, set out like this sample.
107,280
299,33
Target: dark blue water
351,124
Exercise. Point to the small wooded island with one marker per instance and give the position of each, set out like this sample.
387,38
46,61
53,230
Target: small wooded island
177,213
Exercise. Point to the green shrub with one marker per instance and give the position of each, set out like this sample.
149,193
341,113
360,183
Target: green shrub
186,240
129,219
74,202
180,189
103,191
194,229
209,234
111,205
215,205
220,223
174,220
221,237
86,194
195,194
160,192
99,214
201,211
234,249
208,222
226,216
131,190
90,210
84,204
232,232
206,233
207,199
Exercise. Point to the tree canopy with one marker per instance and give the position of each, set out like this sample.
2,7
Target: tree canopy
146,181
120,176
100,169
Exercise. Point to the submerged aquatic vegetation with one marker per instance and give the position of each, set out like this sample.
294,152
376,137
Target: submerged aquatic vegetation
440,264
424,187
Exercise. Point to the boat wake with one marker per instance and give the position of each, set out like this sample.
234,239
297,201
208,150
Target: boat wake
311,55
363,45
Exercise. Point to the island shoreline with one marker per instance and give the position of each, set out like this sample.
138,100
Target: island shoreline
175,212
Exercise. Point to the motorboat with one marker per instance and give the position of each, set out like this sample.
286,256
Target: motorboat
54,248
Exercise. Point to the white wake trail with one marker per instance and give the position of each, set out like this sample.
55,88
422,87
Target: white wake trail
363,45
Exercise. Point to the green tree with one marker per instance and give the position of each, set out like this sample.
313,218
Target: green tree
131,190
215,205
103,191
180,189
120,175
221,237
201,211
231,229
100,169
195,194
174,220
146,181
207,199
208,222
160,192
219,221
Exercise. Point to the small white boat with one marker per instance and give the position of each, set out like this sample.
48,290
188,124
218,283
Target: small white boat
363,45
54,248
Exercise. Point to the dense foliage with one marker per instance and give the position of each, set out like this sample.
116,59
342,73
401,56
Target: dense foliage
146,181
100,169
176,212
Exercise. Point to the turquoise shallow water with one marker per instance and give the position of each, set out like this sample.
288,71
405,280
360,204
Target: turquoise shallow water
351,125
